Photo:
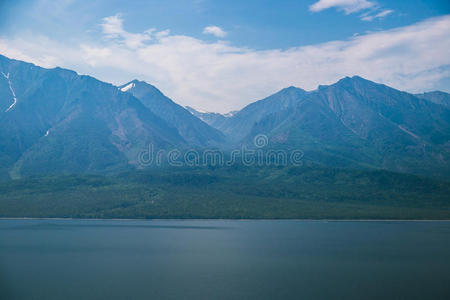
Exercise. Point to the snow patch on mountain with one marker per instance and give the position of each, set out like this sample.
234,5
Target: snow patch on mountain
12,92
230,114
128,87
408,132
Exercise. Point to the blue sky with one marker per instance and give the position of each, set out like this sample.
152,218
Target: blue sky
222,55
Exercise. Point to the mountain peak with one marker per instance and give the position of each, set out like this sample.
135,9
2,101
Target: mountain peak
347,80
290,90
135,82
138,87
293,88
141,82
352,81
127,86
189,126
354,78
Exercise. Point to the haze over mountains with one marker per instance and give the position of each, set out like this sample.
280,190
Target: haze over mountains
56,121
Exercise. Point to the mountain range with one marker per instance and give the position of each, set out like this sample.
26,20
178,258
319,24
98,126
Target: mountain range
352,123
56,121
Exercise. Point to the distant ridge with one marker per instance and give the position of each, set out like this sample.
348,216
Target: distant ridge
213,119
437,97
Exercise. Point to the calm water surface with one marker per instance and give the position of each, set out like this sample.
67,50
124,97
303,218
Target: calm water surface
108,259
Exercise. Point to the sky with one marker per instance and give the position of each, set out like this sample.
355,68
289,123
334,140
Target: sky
222,55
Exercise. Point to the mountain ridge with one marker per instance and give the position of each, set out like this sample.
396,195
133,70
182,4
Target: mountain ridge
381,122
55,120
191,128
65,122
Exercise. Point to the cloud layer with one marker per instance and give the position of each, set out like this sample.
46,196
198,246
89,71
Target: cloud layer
221,77
371,10
215,30
370,17
348,6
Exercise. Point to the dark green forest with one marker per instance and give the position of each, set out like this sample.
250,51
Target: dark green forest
236,192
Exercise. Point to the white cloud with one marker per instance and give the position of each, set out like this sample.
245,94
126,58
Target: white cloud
93,54
113,28
382,14
161,34
348,6
371,8
214,30
221,77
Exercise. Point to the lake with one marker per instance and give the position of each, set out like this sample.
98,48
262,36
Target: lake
223,259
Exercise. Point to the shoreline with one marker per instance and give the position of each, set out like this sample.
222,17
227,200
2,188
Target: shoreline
219,219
